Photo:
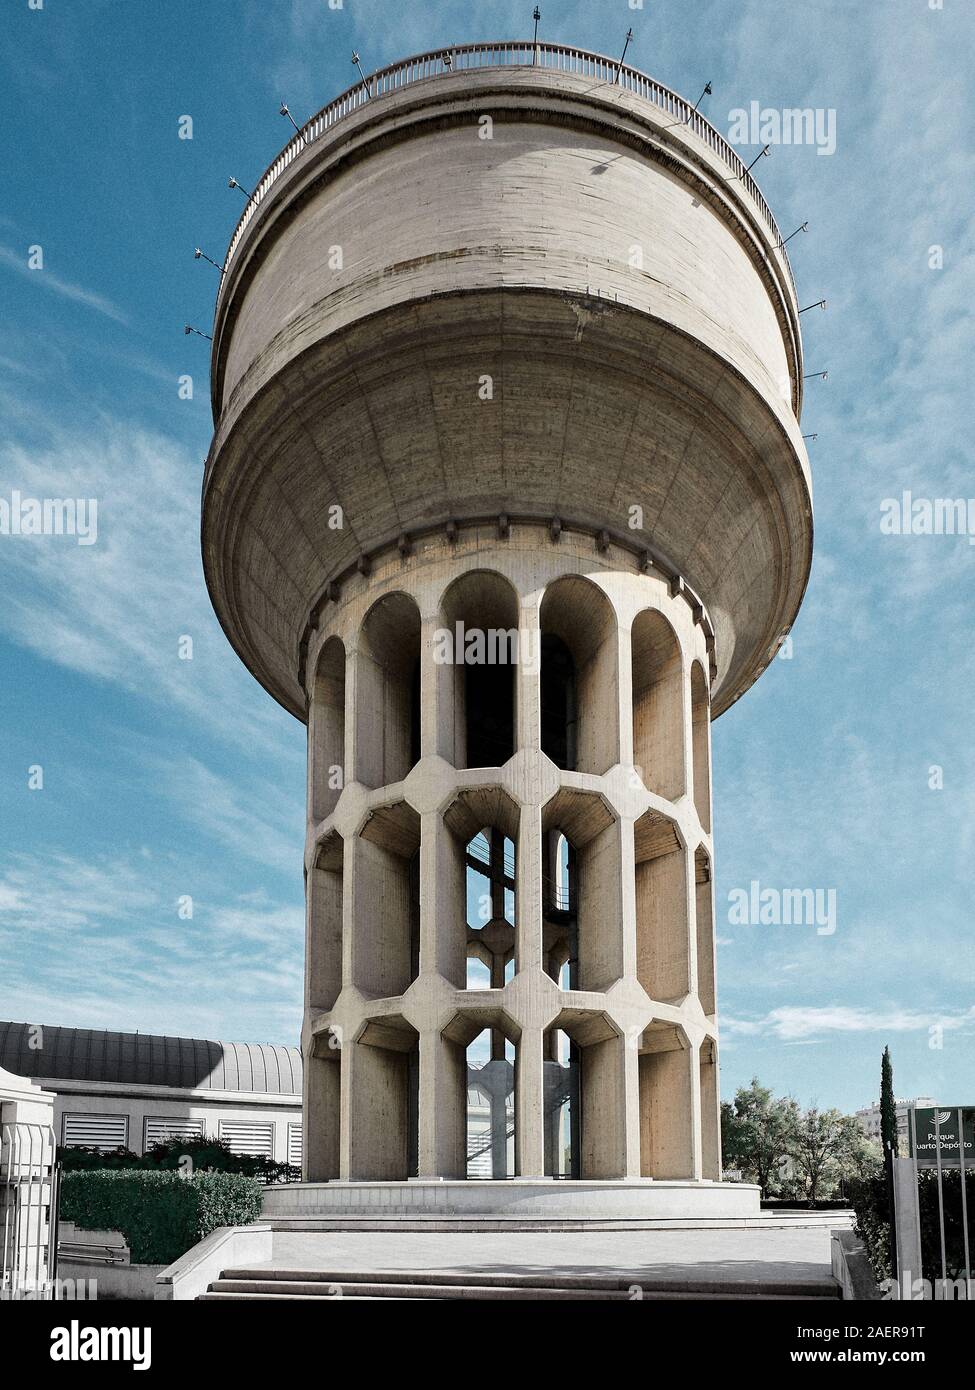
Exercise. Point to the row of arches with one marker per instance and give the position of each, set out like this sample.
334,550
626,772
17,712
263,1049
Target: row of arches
576,654
479,1115
477,902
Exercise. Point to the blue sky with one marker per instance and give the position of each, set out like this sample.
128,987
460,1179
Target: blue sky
164,777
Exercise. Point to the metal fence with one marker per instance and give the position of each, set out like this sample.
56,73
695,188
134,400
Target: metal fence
934,1243
443,63
29,1179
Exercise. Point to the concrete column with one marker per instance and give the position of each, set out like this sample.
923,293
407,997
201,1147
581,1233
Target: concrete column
628,922
345,1109
528,898
697,1156
631,1108
700,750
324,931
438,713
326,731
529,1106
321,1112
704,914
603,1109
527,688
710,1112
379,1116
443,907
361,732
669,1129
442,1140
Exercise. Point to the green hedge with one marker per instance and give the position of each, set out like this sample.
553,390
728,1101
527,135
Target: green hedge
869,1199
161,1214
207,1153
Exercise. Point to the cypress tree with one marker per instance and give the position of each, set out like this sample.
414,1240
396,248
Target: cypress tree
888,1109
888,1140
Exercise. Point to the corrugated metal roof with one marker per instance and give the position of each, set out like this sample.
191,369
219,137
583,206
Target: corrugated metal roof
146,1059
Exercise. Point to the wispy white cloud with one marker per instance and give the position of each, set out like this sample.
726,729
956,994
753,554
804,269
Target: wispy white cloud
264,825
46,279
116,610
796,1023
100,943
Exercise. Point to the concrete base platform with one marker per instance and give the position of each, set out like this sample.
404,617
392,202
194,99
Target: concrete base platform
751,1258
675,1264
530,1202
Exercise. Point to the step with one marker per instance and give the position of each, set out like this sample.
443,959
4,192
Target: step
619,1284
842,1221
361,1288
211,1297
474,1292
228,1290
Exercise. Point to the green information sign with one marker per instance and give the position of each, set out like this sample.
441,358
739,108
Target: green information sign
942,1137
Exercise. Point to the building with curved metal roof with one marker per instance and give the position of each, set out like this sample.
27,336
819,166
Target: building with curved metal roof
89,1054
133,1089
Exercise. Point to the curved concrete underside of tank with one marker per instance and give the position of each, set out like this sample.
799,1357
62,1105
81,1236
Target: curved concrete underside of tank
488,347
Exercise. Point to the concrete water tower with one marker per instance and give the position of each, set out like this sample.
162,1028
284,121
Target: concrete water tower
507,500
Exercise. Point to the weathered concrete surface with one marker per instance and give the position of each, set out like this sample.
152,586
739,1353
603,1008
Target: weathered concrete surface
548,381
512,1201
689,1254
597,265
648,1049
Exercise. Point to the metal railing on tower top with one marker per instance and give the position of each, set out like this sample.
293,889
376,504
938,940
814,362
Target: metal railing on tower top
474,56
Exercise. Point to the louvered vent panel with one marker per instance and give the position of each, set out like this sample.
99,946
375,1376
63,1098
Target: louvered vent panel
96,1131
247,1137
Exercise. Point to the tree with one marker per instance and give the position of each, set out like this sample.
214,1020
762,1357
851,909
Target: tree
755,1132
863,1159
889,1141
822,1143
888,1107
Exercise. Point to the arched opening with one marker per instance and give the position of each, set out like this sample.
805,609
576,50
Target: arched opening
490,1061
579,684
583,1106
560,903
480,881
700,741
483,1045
710,1112
383,1126
658,706
387,692
558,702
326,730
581,905
386,924
666,1103
704,904
489,863
477,652
663,960
563,1128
